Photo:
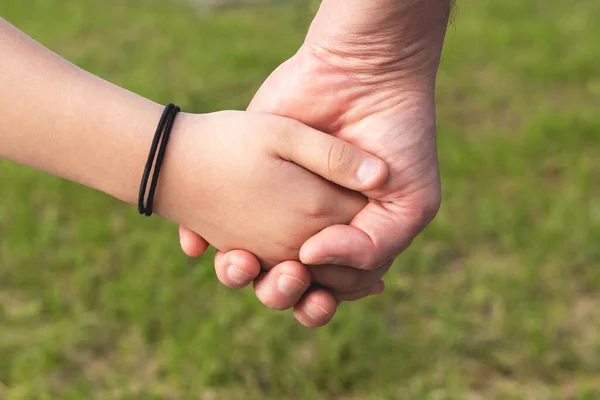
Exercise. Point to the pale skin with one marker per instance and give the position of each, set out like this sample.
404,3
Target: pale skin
366,74
241,179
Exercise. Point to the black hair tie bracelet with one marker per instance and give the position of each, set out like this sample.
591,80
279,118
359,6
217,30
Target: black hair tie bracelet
161,138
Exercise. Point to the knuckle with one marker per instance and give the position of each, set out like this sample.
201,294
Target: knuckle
287,251
315,207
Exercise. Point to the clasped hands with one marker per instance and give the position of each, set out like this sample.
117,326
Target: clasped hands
315,219
310,195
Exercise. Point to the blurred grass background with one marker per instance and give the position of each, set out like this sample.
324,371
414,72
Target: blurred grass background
498,299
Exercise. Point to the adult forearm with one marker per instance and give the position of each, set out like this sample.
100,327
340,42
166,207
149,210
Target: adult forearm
64,121
384,29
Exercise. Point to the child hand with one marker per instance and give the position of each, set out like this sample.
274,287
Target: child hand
243,181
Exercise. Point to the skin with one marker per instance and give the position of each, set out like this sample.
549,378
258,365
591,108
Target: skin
365,74
241,179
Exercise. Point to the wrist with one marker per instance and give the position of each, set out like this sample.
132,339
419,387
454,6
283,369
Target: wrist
127,137
402,39
365,75
185,169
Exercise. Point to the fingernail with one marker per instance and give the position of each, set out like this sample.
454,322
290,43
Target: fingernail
315,311
289,285
367,170
237,275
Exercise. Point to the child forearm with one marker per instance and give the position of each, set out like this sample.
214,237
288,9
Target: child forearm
222,174
64,121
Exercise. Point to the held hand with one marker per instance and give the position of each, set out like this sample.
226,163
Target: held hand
243,181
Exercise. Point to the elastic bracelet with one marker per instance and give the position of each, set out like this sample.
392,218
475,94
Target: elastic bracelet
161,138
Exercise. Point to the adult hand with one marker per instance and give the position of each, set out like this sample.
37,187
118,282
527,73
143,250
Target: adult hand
366,74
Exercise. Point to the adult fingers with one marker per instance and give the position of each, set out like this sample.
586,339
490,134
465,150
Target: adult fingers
237,268
378,233
374,289
282,287
344,279
192,244
316,308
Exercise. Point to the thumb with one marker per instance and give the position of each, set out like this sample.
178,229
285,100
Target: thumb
332,158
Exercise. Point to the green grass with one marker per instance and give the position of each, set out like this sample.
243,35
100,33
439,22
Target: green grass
498,299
